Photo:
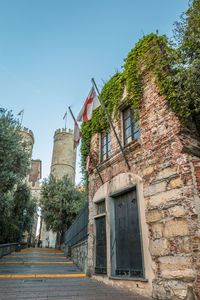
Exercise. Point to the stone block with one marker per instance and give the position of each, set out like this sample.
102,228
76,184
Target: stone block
175,228
162,111
159,291
153,160
167,172
164,197
177,267
159,247
157,230
153,189
176,183
148,171
186,275
178,287
184,245
177,211
153,216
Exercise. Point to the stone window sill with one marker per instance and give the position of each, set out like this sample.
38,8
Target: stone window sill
129,278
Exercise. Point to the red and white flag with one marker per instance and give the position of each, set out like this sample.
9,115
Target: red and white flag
77,132
21,111
87,162
91,103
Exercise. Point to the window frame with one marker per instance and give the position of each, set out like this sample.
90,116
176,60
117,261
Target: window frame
126,139
107,153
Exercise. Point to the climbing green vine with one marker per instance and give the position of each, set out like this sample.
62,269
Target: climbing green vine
153,54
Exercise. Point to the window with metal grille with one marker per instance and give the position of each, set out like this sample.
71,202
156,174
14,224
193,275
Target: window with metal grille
100,207
105,145
131,131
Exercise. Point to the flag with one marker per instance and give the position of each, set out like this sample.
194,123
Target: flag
21,111
65,115
91,103
87,162
77,132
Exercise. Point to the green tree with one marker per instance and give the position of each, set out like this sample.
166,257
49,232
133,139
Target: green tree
14,160
60,203
14,167
10,225
187,78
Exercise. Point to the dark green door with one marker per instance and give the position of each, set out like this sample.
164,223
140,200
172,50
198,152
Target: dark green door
101,260
127,233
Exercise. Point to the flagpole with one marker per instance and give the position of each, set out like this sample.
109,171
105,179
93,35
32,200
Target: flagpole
22,118
88,149
65,119
110,121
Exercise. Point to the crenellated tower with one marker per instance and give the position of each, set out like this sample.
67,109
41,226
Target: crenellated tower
32,180
64,154
63,163
28,137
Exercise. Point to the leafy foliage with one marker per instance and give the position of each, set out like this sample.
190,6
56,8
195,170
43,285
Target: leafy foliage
187,80
11,221
176,71
14,160
60,203
14,166
111,95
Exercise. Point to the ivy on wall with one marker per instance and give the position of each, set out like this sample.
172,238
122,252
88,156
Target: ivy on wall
155,55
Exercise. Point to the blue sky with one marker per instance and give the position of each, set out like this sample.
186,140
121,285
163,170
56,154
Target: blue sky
50,50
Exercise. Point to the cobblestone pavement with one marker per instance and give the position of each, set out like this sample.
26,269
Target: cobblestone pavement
47,274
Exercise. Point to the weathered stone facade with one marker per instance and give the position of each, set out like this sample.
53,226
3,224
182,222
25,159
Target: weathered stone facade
79,253
165,168
63,163
64,154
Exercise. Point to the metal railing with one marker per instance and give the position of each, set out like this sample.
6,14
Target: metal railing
78,230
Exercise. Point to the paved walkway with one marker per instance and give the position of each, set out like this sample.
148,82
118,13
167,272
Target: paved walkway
38,273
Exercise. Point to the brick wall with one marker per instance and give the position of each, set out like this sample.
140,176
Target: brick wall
171,187
196,237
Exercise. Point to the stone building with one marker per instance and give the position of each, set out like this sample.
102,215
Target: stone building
144,230
33,178
63,163
28,138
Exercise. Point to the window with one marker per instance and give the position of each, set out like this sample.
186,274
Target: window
100,207
131,131
105,145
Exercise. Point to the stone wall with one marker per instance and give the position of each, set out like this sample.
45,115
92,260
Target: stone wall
6,249
79,255
166,162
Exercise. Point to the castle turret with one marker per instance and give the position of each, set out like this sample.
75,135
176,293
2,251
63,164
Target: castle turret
28,137
64,154
32,180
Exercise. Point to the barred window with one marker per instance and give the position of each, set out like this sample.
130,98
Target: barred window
105,145
131,131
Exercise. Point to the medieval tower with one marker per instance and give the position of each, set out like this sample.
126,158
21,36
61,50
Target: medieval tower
33,177
28,138
63,163
64,155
